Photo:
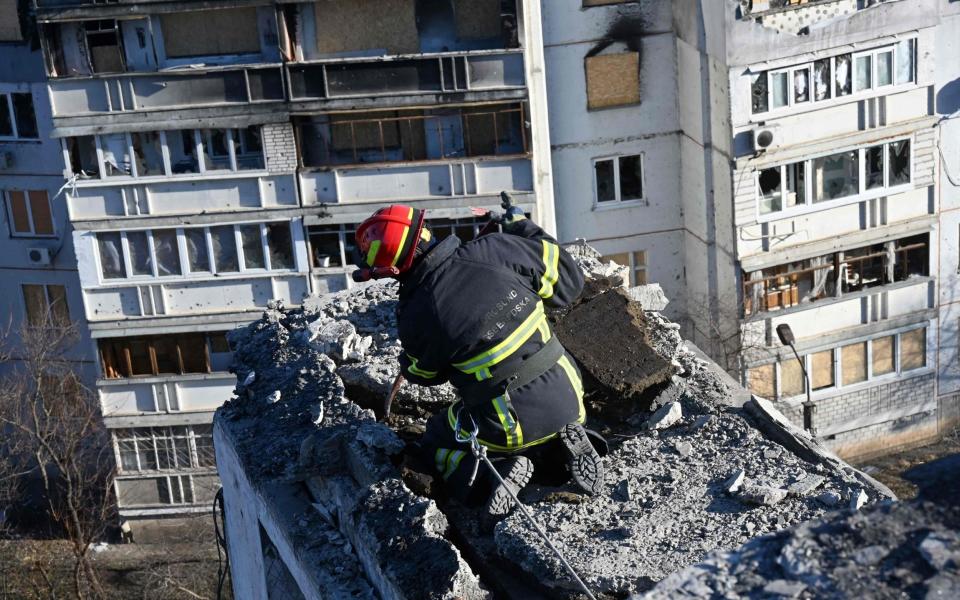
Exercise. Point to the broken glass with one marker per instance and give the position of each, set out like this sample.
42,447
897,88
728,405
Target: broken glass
111,255
631,178
874,167
780,89
796,184
147,153
183,151
606,188
140,263
247,148
252,247
167,252
216,156
843,75
771,190
224,249
801,85
197,250
836,176
821,79
884,68
25,116
905,58
758,92
83,156
116,155
864,74
325,245
899,156
280,246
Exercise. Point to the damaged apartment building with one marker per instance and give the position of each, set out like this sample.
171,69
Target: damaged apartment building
778,162
765,162
217,157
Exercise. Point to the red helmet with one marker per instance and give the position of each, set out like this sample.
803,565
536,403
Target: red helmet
388,240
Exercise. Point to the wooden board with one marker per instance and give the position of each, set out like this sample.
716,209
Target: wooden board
613,79
367,25
210,32
477,19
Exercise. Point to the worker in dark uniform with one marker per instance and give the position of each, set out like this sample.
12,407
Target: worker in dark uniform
473,314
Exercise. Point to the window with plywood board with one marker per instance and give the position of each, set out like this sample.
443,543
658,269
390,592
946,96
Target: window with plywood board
388,25
29,213
210,32
477,19
612,80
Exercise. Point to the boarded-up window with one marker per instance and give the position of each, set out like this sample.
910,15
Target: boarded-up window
477,19
9,21
613,80
211,32
853,363
389,25
29,213
884,360
913,349
821,370
791,378
761,381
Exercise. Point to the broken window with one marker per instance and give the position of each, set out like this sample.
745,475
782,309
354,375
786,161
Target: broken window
905,52
176,354
182,146
46,305
248,148
103,46
116,154
111,255
873,166
771,190
913,349
224,249
216,156
325,246
791,378
821,79
29,213
853,363
203,440
197,258
612,80
165,353
912,257
899,156
842,74
167,251
787,285
83,156
836,176
193,353
883,358
864,268
779,89
210,32
23,123
821,370
139,248
801,85
141,363
761,381
619,179
148,153
252,247
220,353
758,92
280,245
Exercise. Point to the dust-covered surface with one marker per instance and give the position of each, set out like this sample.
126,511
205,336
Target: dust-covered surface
893,550
691,475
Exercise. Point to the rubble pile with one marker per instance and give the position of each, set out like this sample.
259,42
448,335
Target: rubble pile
689,473
886,551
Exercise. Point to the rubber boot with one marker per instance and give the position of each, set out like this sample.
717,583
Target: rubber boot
586,466
516,472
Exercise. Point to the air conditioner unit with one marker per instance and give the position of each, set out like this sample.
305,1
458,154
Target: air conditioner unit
766,138
39,257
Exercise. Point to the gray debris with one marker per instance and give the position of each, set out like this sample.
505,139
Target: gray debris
733,484
684,448
274,397
829,499
941,550
666,416
784,588
623,491
339,339
805,486
762,495
650,296
699,423
858,499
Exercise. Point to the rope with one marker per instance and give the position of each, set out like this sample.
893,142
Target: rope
221,543
480,452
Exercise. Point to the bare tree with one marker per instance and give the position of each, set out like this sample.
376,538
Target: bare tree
55,433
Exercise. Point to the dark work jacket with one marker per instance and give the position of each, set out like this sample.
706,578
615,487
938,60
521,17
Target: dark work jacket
468,308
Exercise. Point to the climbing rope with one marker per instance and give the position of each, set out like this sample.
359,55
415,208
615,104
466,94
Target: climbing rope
479,452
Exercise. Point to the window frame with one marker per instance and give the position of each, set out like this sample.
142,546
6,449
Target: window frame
187,433
809,204
6,96
855,93
618,201
50,320
838,388
8,202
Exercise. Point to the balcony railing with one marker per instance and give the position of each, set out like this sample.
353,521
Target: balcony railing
406,74
180,88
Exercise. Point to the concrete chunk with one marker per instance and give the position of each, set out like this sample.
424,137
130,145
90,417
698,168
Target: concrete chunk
858,499
829,499
806,485
650,296
733,484
762,495
666,416
941,550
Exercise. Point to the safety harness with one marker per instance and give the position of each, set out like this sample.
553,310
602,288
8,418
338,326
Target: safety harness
506,378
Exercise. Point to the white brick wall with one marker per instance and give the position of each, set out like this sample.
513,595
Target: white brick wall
280,147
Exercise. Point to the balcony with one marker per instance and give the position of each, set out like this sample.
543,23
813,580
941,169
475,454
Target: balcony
482,70
165,90
163,397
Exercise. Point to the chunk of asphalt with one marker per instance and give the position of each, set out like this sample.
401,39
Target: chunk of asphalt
733,484
805,486
762,495
666,416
